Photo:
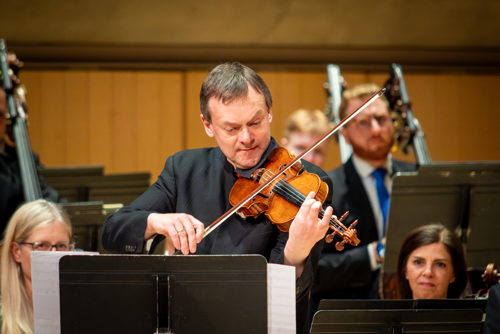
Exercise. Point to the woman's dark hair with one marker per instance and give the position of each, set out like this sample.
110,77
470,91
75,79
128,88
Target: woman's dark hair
426,235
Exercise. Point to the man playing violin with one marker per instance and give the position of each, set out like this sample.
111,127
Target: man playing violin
353,273
193,189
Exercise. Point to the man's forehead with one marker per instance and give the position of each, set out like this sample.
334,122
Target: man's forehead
376,107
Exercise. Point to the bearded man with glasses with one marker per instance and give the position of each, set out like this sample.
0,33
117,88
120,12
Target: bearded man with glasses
361,186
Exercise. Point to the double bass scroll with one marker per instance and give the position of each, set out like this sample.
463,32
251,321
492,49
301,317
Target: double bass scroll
408,130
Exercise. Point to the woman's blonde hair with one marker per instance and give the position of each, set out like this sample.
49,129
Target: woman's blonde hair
17,307
309,121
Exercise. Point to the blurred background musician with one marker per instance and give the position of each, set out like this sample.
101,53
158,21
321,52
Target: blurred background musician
36,226
11,184
361,186
431,264
302,129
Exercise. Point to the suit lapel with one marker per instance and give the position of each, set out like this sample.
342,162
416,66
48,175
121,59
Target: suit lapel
359,197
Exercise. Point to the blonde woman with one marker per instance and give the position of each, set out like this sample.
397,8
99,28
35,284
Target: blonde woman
36,226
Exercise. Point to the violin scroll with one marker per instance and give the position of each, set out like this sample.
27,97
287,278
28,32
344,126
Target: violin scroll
491,275
348,234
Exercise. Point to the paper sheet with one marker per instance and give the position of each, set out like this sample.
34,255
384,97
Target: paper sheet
45,284
280,299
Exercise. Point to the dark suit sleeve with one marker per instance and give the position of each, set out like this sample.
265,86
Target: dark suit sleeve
305,282
351,267
492,324
47,191
336,270
124,230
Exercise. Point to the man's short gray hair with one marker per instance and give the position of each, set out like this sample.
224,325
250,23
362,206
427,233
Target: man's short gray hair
228,82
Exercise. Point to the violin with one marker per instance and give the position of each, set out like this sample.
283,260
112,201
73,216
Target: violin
17,119
491,275
281,177
282,198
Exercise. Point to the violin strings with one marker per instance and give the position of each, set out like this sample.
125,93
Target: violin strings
286,190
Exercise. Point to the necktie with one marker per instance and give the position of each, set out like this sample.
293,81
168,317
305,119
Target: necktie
382,193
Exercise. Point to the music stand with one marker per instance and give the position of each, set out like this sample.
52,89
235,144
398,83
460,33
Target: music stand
81,184
68,180
376,321
87,219
381,304
118,188
462,196
163,294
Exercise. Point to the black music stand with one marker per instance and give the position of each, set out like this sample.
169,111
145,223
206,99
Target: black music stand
82,184
87,219
67,180
163,294
462,196
397,321
380,304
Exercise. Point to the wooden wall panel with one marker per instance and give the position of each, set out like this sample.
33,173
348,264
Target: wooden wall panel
195,136
127,121
131,121
77,122
124,122
100,117
160,119
52,146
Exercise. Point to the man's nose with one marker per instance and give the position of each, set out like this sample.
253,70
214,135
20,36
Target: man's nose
246,135
374,125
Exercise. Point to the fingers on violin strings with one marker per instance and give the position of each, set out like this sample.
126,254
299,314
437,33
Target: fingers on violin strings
325,221
309,201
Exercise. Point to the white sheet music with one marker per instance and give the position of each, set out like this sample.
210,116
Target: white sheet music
45,284
280,299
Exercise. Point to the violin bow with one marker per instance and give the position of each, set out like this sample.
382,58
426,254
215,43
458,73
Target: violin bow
320,141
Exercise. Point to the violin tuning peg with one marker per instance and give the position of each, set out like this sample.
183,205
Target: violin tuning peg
329,238
340,245
344,216
354,223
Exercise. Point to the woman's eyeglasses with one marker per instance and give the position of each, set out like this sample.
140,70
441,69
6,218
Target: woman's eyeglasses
45,246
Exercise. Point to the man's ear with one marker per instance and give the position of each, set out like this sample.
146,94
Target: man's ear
207,125
345,134
270,115
16,252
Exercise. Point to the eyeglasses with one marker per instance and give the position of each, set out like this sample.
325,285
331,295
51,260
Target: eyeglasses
366,122
45,246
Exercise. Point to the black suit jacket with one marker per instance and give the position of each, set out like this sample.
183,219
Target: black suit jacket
11,187
348,274
492,323
198,182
